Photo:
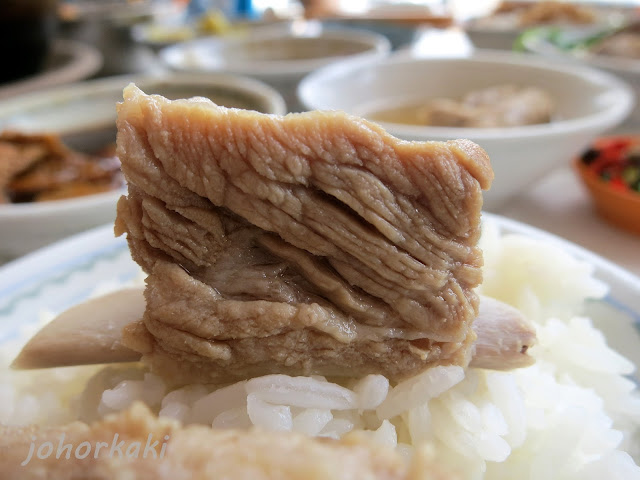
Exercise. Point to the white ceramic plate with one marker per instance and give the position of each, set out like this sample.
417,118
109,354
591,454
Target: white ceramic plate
61,275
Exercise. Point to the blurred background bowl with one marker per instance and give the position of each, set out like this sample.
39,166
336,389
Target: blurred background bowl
279,57
400,22
27,30
564,46
106,25
501,29
588,102
67,62
399,34
84,114
161,34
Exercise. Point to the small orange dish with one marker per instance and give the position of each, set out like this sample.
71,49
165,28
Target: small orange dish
600,170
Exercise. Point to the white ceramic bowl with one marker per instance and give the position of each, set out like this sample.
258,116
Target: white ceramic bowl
628,69
501,31
85,114
588,103
280,57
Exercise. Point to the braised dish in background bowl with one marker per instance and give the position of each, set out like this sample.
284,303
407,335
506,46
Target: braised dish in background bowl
585,103
80,120
610,170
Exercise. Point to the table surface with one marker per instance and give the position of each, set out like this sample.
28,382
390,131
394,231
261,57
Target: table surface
560,205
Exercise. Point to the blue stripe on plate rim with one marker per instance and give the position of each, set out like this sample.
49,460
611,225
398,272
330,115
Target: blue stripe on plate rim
26,280
61,258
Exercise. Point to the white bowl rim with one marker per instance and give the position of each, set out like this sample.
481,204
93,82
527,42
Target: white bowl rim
535,38
251,86
60,207
379,46
272,99
603,12
620,64
606,118
83,61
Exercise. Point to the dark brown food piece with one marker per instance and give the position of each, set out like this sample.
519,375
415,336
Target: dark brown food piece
40,167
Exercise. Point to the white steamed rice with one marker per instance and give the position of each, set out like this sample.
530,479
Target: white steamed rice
572,415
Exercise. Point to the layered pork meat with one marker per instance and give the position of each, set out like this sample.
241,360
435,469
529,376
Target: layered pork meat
313,243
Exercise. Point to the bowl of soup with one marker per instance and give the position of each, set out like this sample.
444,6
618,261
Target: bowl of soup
529,115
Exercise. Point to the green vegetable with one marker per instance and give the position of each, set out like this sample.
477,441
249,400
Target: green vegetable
631,174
